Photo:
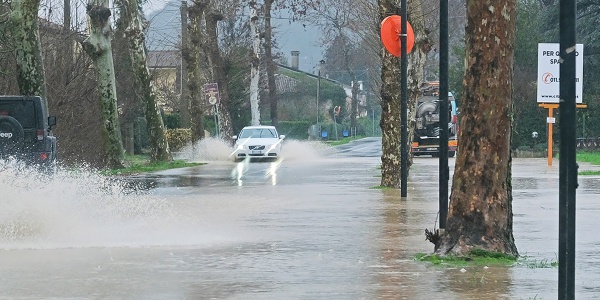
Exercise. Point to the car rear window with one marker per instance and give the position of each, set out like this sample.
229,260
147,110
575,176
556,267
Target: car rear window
22,111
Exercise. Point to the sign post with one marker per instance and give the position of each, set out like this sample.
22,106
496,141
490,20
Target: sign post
548,87
212,98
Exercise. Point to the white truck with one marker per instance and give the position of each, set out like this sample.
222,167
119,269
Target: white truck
426,140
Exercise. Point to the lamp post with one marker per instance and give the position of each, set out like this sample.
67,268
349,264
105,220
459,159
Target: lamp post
321,63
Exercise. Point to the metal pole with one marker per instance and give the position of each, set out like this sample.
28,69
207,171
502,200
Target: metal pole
567,163
318,93
403,101
444,172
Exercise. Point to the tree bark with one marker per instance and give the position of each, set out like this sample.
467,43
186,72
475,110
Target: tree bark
480,214
216,66
98,47
254,65
417,59
390,108
159,146
270,63
195,79
28,49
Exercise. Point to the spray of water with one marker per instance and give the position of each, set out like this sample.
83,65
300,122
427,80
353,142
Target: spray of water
215,149
81,208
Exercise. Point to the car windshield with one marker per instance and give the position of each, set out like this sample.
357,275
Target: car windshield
258,133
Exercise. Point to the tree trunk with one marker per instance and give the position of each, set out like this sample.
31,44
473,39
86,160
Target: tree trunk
272,93
216,65
184,100
480,214
98,47
416,63
26,41
159,146
390,108
255,65
194,80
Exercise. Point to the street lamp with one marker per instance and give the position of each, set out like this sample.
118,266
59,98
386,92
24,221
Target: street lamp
321,63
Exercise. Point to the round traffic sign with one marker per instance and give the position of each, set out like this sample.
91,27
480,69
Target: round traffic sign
390,35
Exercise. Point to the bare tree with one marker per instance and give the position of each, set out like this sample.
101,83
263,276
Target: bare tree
480,214
159,146
98,47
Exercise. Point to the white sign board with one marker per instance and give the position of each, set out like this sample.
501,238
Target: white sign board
548,89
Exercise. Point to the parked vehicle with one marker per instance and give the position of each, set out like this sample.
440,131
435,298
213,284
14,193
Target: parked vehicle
26,130
257,142
426,140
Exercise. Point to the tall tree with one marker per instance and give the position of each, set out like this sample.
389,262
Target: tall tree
270,63
26,42
98,46
195,77
159,146
480,214
390,107
337,20
217,69
255,64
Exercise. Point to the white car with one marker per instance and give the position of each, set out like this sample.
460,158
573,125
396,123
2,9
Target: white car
257,142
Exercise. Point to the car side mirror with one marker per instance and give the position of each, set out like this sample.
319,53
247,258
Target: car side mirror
234,137
51,121
282,136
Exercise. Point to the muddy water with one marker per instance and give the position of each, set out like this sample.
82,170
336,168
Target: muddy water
309,226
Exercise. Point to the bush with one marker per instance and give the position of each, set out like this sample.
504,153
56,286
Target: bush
178,138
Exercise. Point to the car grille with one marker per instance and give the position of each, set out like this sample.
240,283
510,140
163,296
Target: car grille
256,147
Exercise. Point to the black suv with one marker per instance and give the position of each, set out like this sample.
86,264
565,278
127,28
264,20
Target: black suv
26,130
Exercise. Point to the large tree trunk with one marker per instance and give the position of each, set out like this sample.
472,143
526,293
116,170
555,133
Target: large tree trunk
272,93
217,67
416,63
184,99
480,215
98,47
159,146
26,41
194,79
390,108
255,65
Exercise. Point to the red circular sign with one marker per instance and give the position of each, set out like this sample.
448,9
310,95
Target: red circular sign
390,35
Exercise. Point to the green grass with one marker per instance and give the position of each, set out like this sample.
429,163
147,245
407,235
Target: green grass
141,164
589,157
475,257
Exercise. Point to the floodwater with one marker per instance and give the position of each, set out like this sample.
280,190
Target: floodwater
309,226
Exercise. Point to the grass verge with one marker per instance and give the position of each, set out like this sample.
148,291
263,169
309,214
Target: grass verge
475,257
589,157
141,164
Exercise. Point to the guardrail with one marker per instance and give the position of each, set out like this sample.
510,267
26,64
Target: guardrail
588,143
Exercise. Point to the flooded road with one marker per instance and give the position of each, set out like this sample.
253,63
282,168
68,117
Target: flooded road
310,226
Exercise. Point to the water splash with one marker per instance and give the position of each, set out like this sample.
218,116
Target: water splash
208,149
77,208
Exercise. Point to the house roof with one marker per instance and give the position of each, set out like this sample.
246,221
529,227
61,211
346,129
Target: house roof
164,59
